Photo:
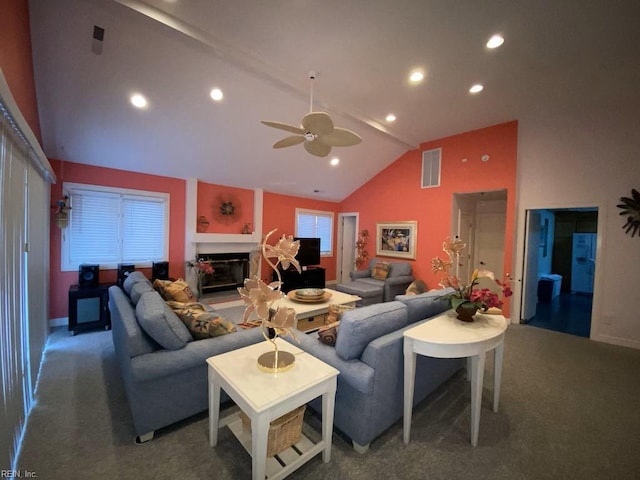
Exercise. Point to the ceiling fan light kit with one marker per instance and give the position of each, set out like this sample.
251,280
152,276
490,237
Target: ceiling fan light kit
317,131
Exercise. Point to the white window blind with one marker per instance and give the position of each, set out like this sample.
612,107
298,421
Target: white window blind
316,224
108,226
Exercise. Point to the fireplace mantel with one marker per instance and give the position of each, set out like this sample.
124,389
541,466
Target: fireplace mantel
225,238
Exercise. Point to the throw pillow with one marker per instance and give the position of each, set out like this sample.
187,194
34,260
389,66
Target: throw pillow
380,271
416,288
201,322
329,334
159,286
180,291
335,313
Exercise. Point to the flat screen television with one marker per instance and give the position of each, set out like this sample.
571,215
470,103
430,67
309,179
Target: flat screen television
309,251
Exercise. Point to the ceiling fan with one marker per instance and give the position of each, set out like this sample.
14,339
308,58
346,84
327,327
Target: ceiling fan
317,132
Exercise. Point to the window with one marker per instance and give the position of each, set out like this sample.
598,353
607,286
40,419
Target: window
314,224
108,226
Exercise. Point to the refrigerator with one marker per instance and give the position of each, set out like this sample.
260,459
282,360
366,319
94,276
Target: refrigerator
583,262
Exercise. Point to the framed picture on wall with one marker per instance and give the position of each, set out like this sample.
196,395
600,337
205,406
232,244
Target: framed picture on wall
397,239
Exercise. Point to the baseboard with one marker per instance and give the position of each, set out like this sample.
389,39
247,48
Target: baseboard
59,322
621,342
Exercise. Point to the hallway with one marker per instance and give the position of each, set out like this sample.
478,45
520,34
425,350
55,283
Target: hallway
567,313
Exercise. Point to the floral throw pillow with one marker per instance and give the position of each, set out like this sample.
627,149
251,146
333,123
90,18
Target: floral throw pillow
201,322
179,291
380,270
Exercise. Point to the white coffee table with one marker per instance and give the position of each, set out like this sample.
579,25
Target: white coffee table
447,337
308,310
263,397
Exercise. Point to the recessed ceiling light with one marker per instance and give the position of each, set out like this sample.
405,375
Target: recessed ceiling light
495,41
138,100
477,88
335,161
416,76
216,94
390,118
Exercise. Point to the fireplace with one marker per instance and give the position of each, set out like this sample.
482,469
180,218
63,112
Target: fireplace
230,270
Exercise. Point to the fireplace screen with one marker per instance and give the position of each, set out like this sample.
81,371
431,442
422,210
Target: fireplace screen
230,270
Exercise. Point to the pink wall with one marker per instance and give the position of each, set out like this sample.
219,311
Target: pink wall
280,212
15,58
395,193
79,173
210,198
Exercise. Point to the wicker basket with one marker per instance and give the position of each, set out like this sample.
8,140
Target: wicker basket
283,432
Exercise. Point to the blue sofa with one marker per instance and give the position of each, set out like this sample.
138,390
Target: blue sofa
368,353
163,369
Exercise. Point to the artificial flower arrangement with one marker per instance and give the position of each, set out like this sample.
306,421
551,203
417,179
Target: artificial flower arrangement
260,297
202,268
361,254
465,295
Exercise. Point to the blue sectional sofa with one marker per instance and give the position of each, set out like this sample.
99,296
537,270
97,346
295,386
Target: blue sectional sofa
368,353
163,369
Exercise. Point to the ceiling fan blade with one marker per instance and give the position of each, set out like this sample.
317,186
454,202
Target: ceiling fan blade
289,141
341,137
283,126
319,123
317,148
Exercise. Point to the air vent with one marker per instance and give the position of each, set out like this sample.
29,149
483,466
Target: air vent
98,38
431,168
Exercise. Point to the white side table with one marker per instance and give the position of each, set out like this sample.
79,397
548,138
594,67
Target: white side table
263,397
447,337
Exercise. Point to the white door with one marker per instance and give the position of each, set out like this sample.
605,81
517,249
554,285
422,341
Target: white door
488,249
346,246
530,271
465,233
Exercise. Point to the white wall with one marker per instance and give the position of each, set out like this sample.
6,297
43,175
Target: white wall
588,154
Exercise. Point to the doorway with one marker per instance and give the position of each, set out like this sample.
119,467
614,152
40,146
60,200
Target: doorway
559,269
479,220
346,239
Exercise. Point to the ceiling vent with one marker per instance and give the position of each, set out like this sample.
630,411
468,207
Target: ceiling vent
431,160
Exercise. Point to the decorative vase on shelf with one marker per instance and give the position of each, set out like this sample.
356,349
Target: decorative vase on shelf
466,311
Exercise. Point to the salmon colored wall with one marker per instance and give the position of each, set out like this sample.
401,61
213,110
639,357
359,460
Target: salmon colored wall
211,196
79,173
15,58
395,193
279,212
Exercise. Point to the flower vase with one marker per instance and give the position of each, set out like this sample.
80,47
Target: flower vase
466,311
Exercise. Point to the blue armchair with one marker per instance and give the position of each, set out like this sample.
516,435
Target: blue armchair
374,290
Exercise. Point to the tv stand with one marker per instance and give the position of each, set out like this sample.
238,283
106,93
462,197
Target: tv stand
312,277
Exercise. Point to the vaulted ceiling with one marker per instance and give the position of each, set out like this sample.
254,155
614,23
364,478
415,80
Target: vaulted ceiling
260,53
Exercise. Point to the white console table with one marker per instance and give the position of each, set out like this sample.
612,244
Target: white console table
447,337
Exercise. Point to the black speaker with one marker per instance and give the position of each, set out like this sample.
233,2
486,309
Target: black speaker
160,271
124,269
89,275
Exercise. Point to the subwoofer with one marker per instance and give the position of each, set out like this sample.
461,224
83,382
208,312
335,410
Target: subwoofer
160,271
89,275
124,269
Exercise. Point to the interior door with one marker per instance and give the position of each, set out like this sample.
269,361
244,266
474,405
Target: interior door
465,233
347,247
530,268
489,246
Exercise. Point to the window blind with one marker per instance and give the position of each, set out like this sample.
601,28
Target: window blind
316,225
108,226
